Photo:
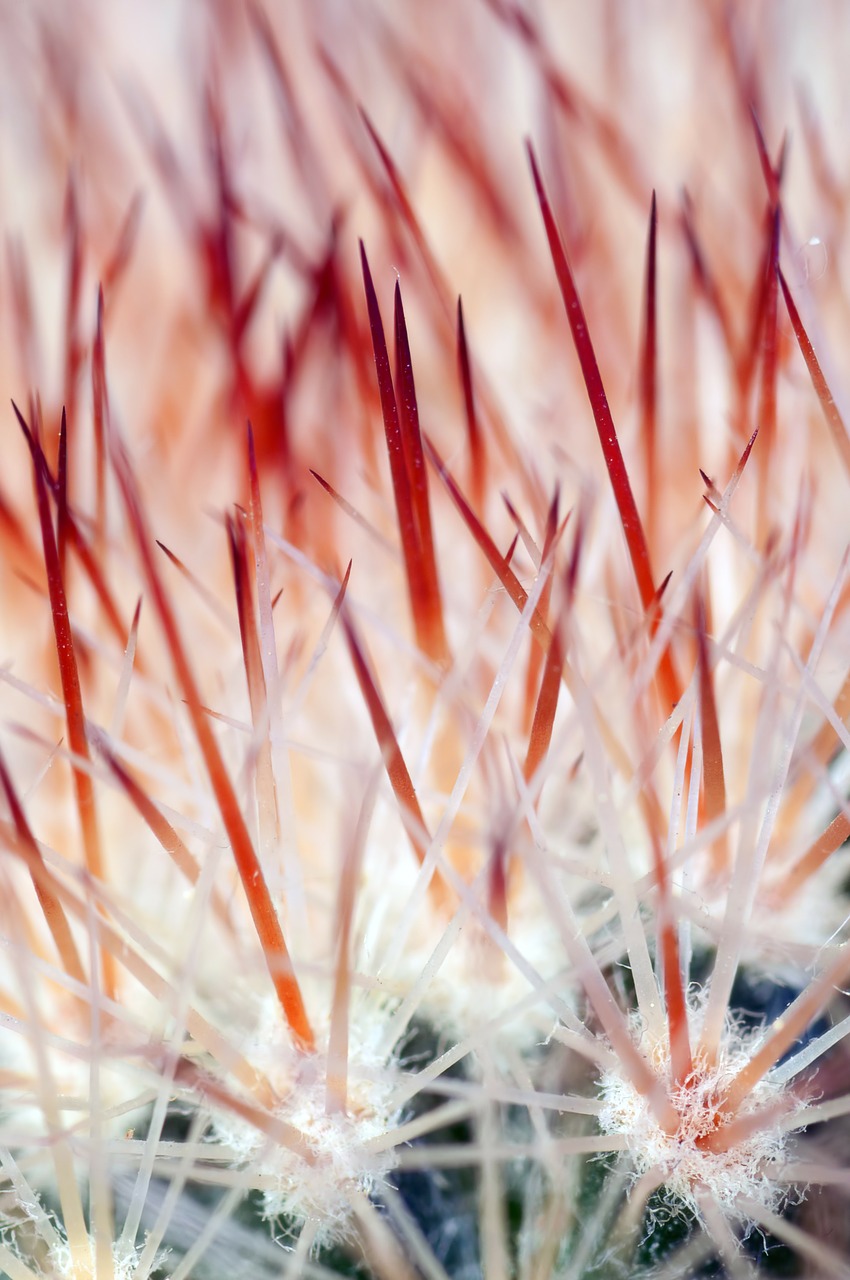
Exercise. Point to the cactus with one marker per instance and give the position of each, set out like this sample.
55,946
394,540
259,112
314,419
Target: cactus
423,738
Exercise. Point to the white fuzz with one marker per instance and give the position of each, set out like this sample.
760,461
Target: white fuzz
63,1267
686,1168
317,1192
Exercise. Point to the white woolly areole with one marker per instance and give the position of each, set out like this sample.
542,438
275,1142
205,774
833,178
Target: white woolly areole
63,1267
318,1190
686,1168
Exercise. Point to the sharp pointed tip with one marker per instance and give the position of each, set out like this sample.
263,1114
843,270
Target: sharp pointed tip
535,171
364,265
754,116
22,422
